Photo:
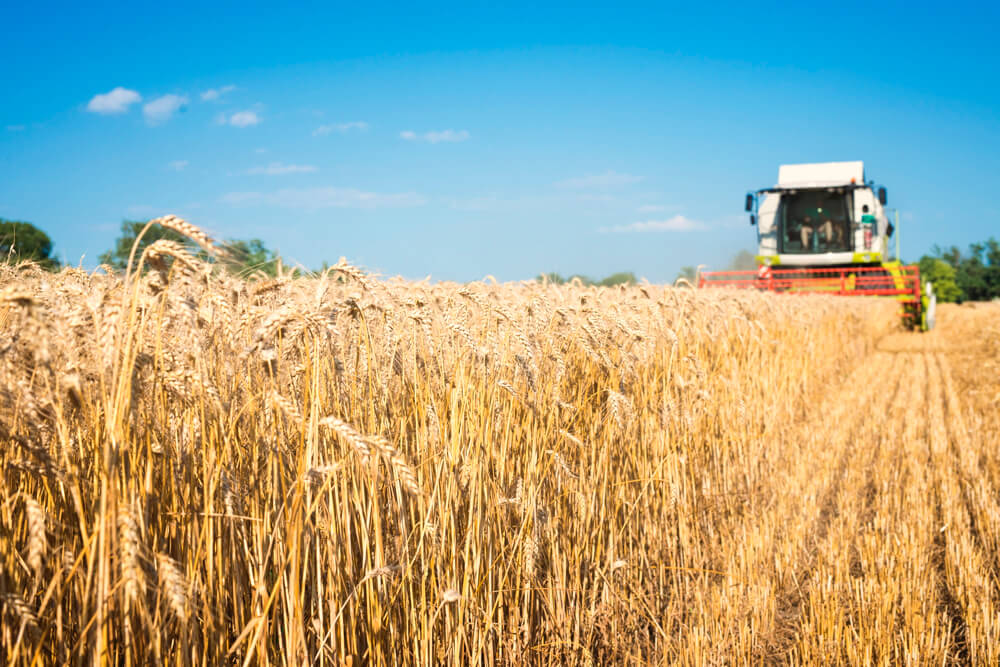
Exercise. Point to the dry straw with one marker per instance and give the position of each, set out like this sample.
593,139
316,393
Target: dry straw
209,469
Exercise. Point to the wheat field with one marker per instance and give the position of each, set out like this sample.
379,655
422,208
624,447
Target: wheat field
341,470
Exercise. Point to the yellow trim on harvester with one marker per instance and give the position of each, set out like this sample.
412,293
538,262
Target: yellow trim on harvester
866,258
856,258
894,269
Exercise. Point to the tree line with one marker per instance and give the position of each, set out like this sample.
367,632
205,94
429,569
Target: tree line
968,276
620,278
741,261
957,276
22,241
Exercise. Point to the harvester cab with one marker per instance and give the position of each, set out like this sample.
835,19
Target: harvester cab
824,228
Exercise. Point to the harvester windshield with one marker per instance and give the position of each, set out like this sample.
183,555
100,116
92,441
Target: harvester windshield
814,221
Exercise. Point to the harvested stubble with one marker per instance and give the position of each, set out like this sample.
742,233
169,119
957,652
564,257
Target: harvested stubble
209,470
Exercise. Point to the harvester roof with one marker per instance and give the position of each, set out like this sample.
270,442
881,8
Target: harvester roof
821,174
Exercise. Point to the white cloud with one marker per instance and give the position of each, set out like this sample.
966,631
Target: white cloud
115,101
609,179
678,223
651,208
446,135
15,128
436,136
343,128
277,168
178,165
311,199
242,119
213,94
162,108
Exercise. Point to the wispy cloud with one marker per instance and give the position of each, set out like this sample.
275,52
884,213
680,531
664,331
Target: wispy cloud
178,165
277,169
342,128
162,108
651,208
15,128
117,100
213,94
609,179
436,136
678,223
238,119
311,199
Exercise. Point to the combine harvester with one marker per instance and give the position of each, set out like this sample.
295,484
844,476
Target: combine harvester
823,229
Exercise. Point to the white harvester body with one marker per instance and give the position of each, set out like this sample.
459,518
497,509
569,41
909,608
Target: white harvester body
823,229
822,214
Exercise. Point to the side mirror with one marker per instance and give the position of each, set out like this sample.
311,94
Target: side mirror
882,198
749,205
753,219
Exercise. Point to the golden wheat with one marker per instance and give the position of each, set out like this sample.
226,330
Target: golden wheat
342,469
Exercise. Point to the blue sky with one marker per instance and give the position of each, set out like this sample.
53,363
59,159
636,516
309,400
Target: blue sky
464,140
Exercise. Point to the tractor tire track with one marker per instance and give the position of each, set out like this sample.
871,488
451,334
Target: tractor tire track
881,594
937,449
856,498
791,601
968,471
923,629
805,456
971,566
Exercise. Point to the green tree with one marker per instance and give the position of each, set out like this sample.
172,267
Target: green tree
942,275
688,273
242,257
118,256
620,278
993,267
972,274
551,277
977,274
21,241
744,260
246,257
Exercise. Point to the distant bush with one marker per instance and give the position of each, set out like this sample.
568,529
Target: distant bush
942,275
242,257
974,276
620,278
20,241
